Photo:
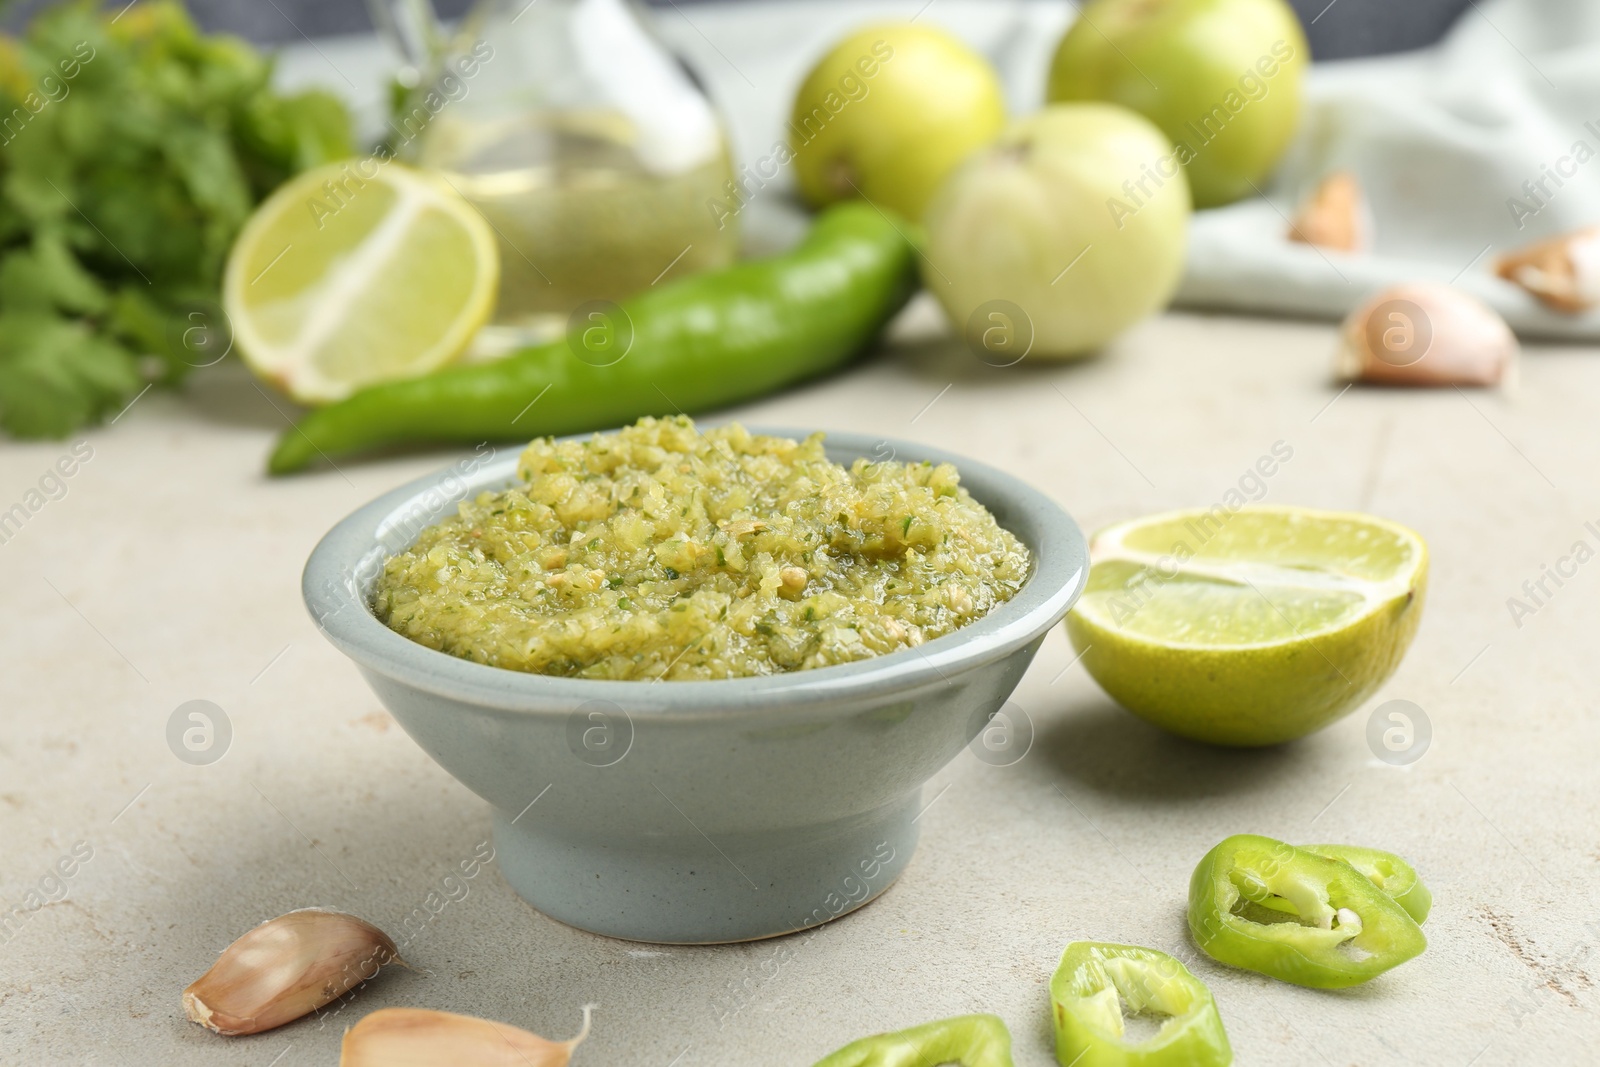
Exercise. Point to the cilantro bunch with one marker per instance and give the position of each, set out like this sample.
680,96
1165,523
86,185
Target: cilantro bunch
132,149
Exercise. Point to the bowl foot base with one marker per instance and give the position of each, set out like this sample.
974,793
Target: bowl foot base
698,890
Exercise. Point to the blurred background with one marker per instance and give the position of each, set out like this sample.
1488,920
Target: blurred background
1322,153
1338,30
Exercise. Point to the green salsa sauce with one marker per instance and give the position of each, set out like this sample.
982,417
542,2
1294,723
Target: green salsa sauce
667,552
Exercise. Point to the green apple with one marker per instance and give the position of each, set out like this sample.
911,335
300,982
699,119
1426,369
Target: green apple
1220,77
1067,231
889,113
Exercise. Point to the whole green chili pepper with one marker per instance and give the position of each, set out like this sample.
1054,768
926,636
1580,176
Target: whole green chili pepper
1296,916
969,1040
1086,997
709,340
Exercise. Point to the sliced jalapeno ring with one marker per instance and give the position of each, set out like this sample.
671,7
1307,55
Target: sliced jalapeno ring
1397,878
1388,872
1267,906
1097,985
968,1040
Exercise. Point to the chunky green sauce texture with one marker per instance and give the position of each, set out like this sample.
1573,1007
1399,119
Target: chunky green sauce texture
664,552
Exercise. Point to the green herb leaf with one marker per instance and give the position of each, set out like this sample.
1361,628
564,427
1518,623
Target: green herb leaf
57,375
132,151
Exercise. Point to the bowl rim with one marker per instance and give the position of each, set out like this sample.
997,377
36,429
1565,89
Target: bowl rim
337,600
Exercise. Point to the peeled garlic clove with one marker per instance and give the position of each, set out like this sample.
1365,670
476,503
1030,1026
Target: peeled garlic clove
1334,216
1563,272
413,1037
1424,333
285,968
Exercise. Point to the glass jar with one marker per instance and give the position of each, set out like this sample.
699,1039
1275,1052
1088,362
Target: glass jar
589,147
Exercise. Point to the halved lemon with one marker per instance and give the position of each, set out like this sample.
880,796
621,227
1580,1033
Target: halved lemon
355,273
1248,627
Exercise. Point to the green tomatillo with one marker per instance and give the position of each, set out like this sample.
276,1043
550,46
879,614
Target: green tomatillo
1093,983
1032,248
889,113
1220,77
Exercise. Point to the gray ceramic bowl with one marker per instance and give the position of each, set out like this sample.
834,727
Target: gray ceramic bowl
697,812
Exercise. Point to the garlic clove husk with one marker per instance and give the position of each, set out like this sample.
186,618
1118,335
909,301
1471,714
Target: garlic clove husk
1424,333
1562,272
286,968
1335,216
414,1037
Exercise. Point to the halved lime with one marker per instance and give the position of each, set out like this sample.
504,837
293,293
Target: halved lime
355,273
1248,627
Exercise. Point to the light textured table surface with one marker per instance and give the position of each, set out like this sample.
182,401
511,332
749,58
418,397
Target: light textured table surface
169,572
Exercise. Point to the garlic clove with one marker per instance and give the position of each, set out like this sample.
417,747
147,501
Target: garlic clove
414,1037
1563,272
1334,216
285,968
1424,333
